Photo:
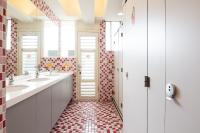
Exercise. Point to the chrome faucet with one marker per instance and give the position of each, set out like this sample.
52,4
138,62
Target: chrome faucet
11,79
37,72
26,73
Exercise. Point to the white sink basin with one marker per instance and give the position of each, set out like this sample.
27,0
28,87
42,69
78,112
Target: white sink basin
12,88
38,79
53,74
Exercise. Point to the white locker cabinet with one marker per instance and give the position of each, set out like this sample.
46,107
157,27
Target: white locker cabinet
156,66
116,64
183,65
135,67
120,51
163,43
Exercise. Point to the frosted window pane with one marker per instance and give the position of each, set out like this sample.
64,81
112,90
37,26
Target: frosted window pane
51,39
67,38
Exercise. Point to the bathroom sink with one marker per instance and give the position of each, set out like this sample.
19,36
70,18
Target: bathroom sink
53,74
12,88
38,79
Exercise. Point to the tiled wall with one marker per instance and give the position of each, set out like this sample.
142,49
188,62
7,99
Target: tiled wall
60,64
106,70
2,65
11,55
44,7
106,61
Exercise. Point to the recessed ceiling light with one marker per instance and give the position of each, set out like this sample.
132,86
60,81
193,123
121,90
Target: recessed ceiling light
120,14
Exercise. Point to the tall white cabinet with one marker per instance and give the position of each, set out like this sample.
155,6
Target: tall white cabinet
162,41
135,67
118,63
156,66
183,65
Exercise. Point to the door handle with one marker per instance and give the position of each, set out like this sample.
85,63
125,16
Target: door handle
126,75
121,69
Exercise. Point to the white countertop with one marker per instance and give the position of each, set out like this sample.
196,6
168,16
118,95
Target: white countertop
15,96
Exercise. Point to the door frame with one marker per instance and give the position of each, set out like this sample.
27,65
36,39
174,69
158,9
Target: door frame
78,66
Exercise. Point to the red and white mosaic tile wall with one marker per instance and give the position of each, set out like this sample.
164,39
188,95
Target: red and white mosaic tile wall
44,7
106,67
3,6
59,64
11,55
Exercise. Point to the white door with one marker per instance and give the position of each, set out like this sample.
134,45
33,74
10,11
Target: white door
183,65
88,66
120,70
156,66
135,67
116,64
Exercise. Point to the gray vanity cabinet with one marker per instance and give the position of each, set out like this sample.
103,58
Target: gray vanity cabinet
56,102
43,111
39,113
61,94
21,118
69,91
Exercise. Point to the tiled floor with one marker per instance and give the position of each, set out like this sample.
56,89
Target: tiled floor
89,117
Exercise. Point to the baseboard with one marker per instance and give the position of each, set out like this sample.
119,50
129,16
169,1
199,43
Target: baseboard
118,110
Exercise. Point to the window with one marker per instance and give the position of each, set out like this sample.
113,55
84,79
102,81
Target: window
56,44
51,39
67,38
108,36
111,30
8,36
29,52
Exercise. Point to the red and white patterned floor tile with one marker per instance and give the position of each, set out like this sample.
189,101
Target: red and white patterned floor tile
89,117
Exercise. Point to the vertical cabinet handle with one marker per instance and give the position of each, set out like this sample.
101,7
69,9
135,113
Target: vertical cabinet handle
127,75
121,69
146,81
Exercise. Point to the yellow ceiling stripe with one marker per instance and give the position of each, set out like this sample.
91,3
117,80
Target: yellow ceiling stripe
100,7
25,7
71,7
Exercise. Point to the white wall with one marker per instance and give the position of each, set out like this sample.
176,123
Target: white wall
84,27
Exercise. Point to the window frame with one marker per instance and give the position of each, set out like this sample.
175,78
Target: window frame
43,40
59,41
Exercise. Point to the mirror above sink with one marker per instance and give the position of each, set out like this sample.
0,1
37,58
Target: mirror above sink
37,36
24,36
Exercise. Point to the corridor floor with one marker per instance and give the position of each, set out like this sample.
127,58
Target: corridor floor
89,117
